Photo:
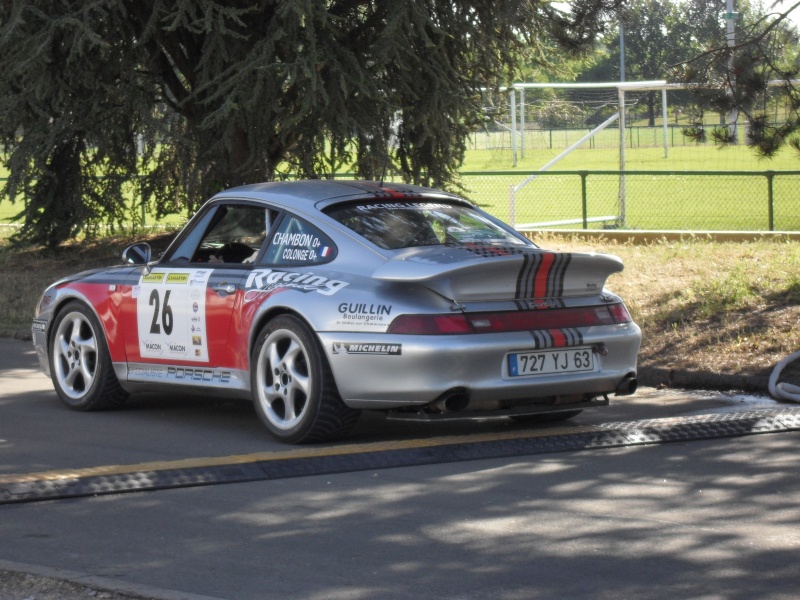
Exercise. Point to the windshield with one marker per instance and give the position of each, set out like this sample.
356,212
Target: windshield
406,224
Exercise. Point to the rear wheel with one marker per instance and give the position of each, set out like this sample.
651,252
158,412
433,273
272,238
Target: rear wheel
80,364
546,417
292,384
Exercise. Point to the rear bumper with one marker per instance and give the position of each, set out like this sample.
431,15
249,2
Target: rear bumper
393,371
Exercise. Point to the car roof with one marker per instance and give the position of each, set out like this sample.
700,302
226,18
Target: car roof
324,192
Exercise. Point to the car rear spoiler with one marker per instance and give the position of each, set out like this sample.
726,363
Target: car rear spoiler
519,275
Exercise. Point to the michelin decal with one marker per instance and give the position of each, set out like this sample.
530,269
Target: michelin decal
367,348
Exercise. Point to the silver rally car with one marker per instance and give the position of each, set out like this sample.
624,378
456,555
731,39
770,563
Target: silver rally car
318,299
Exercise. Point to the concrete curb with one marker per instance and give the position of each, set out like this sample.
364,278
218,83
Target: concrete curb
23,581
701,380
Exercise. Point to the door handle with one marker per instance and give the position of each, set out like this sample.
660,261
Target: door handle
225,288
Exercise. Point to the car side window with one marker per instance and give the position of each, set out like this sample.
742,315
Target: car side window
298,242
229,233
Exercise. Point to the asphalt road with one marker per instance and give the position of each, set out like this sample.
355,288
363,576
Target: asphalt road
711,519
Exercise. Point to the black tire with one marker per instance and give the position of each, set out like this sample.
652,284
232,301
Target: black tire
292,385
546,417
80,365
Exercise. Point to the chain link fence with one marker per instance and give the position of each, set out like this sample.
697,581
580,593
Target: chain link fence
562,138
641,200
635,200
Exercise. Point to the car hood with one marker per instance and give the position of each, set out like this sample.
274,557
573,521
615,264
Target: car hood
485,273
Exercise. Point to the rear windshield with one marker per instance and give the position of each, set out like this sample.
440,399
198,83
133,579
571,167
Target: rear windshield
406,224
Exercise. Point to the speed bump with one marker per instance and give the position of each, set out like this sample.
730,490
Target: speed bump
309,461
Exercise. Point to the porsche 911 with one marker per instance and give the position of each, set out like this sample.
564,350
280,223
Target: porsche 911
320,299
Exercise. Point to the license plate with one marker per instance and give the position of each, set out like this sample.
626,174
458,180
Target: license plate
549,362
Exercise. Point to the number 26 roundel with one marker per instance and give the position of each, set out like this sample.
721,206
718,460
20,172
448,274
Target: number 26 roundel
171,314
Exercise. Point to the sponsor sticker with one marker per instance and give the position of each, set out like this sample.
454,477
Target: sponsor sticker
191,375
364,314
154,277
367,348
177,277
267,280
170,314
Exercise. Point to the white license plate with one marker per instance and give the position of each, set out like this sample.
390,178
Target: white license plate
549,362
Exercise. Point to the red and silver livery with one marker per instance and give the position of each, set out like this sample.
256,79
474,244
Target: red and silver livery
319,299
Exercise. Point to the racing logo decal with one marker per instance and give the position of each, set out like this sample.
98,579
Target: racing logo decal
556,338
267,280
171,314
542,275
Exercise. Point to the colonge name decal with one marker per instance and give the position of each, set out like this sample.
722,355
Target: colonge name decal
171,314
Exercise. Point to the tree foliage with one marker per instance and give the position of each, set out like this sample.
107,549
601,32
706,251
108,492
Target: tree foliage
172,101
735,79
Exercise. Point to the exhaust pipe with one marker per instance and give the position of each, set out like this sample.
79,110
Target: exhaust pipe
627,386
452,402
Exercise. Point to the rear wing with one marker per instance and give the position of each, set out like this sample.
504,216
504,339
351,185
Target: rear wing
465,276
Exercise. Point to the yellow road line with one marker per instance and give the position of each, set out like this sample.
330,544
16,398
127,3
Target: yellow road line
298,453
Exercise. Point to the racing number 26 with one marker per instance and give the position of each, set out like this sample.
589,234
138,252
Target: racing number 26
166,313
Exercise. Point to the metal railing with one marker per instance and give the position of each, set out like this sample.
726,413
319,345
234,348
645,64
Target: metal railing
641,200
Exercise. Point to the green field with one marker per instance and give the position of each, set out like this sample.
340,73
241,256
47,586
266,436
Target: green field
653,200
706,188
734,197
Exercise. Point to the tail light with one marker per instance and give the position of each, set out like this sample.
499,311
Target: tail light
509,321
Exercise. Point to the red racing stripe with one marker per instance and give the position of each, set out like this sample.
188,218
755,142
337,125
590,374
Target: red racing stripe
559,339
542,273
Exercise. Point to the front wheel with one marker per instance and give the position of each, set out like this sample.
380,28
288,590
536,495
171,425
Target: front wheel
80,364
292,385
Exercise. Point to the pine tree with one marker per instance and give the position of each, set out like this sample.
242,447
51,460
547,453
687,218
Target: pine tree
734,79
224,92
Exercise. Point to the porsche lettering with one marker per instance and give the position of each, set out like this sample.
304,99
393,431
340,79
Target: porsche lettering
190,374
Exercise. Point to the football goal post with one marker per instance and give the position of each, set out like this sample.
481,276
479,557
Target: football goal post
578,105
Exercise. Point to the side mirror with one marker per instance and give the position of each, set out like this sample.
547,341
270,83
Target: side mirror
137,254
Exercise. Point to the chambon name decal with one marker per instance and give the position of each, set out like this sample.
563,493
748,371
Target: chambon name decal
301,247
